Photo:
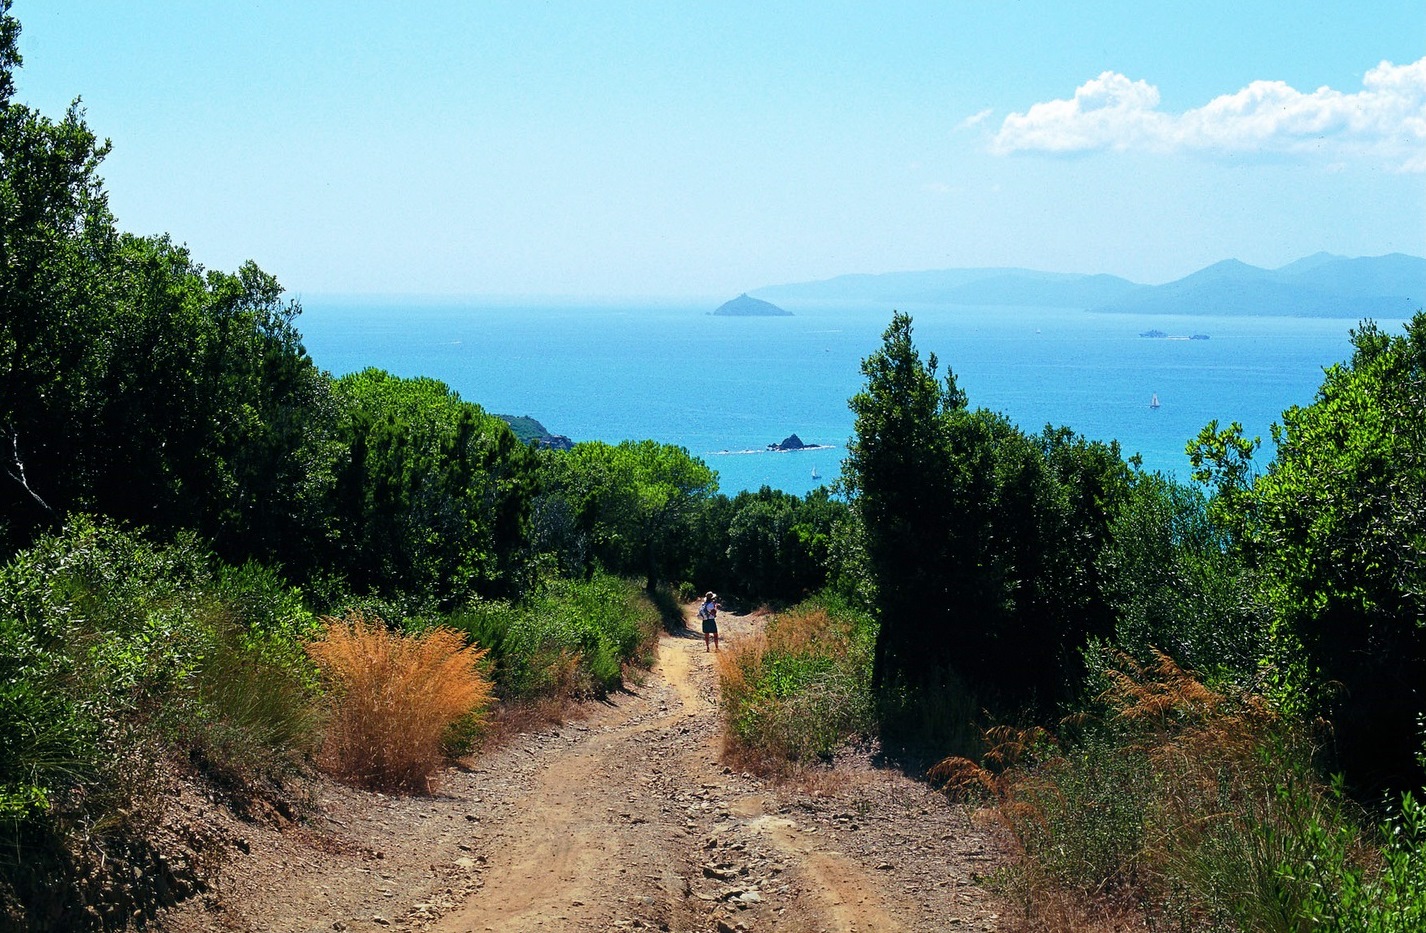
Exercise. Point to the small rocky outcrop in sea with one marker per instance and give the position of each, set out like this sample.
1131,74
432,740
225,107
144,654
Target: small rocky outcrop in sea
744,306
792,442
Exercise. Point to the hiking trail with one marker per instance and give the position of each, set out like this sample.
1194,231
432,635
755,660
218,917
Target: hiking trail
623,820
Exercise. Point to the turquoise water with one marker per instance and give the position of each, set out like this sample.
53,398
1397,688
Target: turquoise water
724,388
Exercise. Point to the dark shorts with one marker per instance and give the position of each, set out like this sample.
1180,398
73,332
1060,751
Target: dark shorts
710,626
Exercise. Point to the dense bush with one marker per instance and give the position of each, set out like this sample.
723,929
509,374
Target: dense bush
123,661
570,638
432,496
767,545
1177,585
984,544
799,690
1337,528
624,508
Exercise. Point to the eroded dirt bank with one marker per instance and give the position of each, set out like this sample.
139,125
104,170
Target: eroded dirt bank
624,820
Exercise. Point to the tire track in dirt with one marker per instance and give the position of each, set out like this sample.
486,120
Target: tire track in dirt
564,872
846,893
566,865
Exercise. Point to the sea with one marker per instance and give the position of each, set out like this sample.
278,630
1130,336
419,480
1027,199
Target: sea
724,388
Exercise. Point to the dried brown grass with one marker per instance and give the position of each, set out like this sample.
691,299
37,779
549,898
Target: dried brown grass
1169,708
1011,752
1188,731
740,664
806,633
1061,910
1178,805
395,697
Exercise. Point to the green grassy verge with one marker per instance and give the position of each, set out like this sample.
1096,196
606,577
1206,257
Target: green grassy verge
800,690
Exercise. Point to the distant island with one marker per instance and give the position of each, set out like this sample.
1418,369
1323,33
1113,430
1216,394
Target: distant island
527,429
1167,336
743,306
1321,285
793,442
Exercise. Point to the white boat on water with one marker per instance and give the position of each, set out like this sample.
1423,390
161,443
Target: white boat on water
1154,400
815,474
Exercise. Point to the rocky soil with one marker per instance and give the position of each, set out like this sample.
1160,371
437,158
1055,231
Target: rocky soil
624,820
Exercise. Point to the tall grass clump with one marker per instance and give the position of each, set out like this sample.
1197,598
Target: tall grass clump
251,710
801,689
569,639
1195,808
395,697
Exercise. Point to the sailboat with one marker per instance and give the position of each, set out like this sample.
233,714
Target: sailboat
815,474
1154,400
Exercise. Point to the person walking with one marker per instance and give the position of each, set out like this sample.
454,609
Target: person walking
708,613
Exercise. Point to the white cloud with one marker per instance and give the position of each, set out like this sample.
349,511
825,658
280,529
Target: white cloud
1384,121
974,119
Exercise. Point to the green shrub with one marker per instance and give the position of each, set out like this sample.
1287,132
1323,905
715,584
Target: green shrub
91,627
801,689
121,659
571,638
250,711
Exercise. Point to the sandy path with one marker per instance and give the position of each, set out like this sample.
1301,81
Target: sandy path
625,820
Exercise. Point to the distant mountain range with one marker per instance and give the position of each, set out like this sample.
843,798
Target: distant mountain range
1321,285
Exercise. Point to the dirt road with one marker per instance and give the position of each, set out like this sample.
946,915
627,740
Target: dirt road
626,820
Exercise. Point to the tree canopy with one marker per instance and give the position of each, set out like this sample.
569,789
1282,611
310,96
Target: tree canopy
984,542
1338,525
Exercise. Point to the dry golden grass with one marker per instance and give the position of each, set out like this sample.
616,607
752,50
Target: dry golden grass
811,631
395,697
740,664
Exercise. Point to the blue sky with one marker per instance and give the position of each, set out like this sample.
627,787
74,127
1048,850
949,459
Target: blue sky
660,149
